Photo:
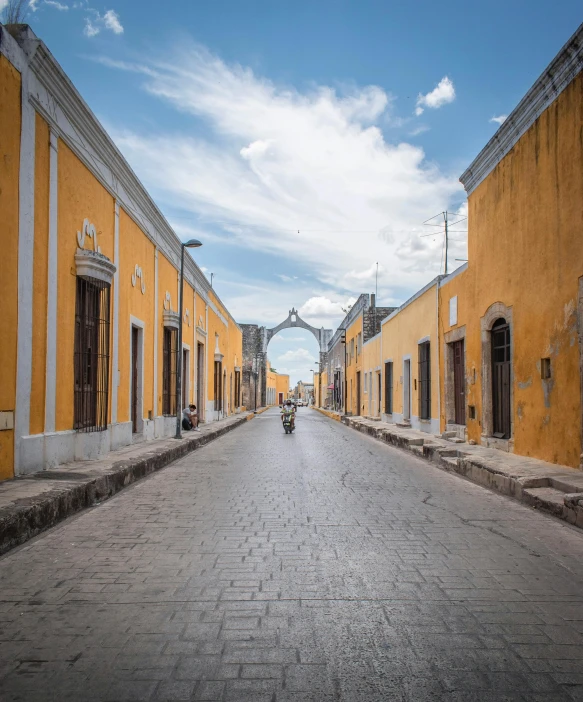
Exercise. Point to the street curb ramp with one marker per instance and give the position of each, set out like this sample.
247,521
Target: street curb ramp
28,517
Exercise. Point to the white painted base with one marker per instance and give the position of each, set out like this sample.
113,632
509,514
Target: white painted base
45,451
121,435
211,414
431,426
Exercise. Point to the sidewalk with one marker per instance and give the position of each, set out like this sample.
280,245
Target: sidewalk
552,488
33,503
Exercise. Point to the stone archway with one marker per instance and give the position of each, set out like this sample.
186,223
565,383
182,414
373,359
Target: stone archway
255,342
321,335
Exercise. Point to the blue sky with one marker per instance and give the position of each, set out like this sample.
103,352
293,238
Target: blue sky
305,141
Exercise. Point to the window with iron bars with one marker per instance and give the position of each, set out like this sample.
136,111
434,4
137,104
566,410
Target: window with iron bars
91,355
169,371
424,381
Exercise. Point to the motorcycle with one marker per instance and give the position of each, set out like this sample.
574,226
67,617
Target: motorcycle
288,424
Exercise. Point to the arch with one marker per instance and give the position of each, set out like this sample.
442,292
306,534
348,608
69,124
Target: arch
493,315
293,320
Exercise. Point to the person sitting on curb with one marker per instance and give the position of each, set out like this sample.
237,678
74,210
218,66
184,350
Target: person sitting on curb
190,418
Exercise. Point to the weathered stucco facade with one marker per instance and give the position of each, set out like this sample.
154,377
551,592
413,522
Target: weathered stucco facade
525,191
409,340
89,285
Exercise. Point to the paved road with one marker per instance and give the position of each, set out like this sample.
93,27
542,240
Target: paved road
319,566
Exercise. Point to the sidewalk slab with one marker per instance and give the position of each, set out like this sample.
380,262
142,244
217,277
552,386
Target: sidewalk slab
32,503
555,489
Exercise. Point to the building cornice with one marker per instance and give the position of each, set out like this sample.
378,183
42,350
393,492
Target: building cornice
416,296
554,79
55,97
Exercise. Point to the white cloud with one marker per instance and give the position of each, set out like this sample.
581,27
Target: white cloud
300,355
95,23
3,4
366,276
91,29
111,21
33,4
324,308
443,93
304,175
421,129
57,5
499,119
286,339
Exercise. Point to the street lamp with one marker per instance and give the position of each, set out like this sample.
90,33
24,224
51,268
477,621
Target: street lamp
191,244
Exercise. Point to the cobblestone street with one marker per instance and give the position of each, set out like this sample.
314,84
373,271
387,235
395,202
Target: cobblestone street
318,566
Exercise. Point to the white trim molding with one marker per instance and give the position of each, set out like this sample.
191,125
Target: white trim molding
52,277
25,268
91,264
562,70
115,350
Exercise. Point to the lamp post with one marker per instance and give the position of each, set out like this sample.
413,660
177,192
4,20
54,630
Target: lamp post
191,244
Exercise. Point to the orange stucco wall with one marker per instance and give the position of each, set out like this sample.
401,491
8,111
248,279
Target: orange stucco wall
167,282
525,234
10,120
135,249
354,365
80,196
40,280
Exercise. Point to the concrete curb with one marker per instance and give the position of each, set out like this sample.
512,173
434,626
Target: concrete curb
331,415
71,491
548,491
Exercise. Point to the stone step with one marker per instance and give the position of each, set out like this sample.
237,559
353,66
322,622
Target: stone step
546,498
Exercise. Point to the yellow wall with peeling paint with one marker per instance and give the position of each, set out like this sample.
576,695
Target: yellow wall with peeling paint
10,119
525,249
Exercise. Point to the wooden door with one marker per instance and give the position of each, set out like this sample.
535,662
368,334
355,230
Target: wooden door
501,373
135,342
459,381
357,393
379,390
200,404
407,389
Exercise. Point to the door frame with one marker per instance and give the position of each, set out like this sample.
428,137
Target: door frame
451,338
407,389
138,324
496,311
200,379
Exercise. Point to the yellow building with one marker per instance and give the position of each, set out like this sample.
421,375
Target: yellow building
410,359
282,389
277,386
89,285
372,375
511,340
362,322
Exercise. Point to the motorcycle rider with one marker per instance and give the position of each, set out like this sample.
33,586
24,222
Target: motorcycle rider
288,408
